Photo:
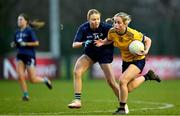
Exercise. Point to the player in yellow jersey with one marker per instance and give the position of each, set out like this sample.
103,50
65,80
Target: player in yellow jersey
121,36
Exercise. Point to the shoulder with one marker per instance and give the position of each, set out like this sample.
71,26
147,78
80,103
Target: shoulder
112,30
135,34
84,26
134,31
29,29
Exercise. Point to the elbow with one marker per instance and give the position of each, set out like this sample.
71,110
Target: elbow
76,44
73,46
148,40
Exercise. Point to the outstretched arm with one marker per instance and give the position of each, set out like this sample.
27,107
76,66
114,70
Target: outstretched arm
101,42
36,43
77,44
32,44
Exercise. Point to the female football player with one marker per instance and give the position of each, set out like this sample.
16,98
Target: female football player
88,32
121,36
25,41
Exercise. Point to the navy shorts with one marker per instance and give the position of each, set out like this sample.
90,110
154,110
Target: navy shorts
27,60
139,63
101,58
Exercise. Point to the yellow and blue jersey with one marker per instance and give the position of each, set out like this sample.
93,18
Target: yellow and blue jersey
122,42
26,35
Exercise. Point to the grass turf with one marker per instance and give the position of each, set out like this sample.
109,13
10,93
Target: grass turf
151,98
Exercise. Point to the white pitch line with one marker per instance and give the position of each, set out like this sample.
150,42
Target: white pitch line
164,105
161,107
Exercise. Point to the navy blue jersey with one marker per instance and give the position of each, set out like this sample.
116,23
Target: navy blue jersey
27,35
86,33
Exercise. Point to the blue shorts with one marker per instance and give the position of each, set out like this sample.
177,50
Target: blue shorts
26,59
139,63
101,58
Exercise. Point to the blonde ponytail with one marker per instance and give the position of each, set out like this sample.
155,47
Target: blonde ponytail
109,20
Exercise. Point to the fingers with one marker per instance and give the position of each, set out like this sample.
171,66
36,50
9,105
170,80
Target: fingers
98,43
143,52
22,44
12,44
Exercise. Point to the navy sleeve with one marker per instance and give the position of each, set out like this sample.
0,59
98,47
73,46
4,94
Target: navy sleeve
33,36
79,35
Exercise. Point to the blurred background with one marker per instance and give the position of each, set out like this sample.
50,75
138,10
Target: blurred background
158,19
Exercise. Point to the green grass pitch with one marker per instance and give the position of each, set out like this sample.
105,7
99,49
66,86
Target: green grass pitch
151,98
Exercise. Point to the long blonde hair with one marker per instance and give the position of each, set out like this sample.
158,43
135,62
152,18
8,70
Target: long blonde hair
125,17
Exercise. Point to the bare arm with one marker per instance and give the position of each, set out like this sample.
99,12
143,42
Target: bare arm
147,42
33,44
36,43
107,42
101,42
77,44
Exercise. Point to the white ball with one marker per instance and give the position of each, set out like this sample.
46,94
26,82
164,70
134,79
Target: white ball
135,47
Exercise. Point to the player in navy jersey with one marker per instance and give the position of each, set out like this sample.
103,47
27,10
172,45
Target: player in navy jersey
92,30
25,41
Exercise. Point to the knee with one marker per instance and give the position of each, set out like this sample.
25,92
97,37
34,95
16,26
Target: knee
111,82
21,77
123,82
130,87
32,79
77,73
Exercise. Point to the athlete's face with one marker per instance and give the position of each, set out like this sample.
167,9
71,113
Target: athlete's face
94,21
21,22
119,24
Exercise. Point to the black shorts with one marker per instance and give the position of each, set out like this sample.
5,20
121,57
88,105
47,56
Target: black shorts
26,59
139,63
101,58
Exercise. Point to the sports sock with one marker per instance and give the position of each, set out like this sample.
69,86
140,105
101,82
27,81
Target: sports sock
146,77
122,105
25,94
45,79
77,96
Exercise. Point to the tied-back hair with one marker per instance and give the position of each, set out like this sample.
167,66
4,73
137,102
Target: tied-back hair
37,24
109,20
91,12
125,17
